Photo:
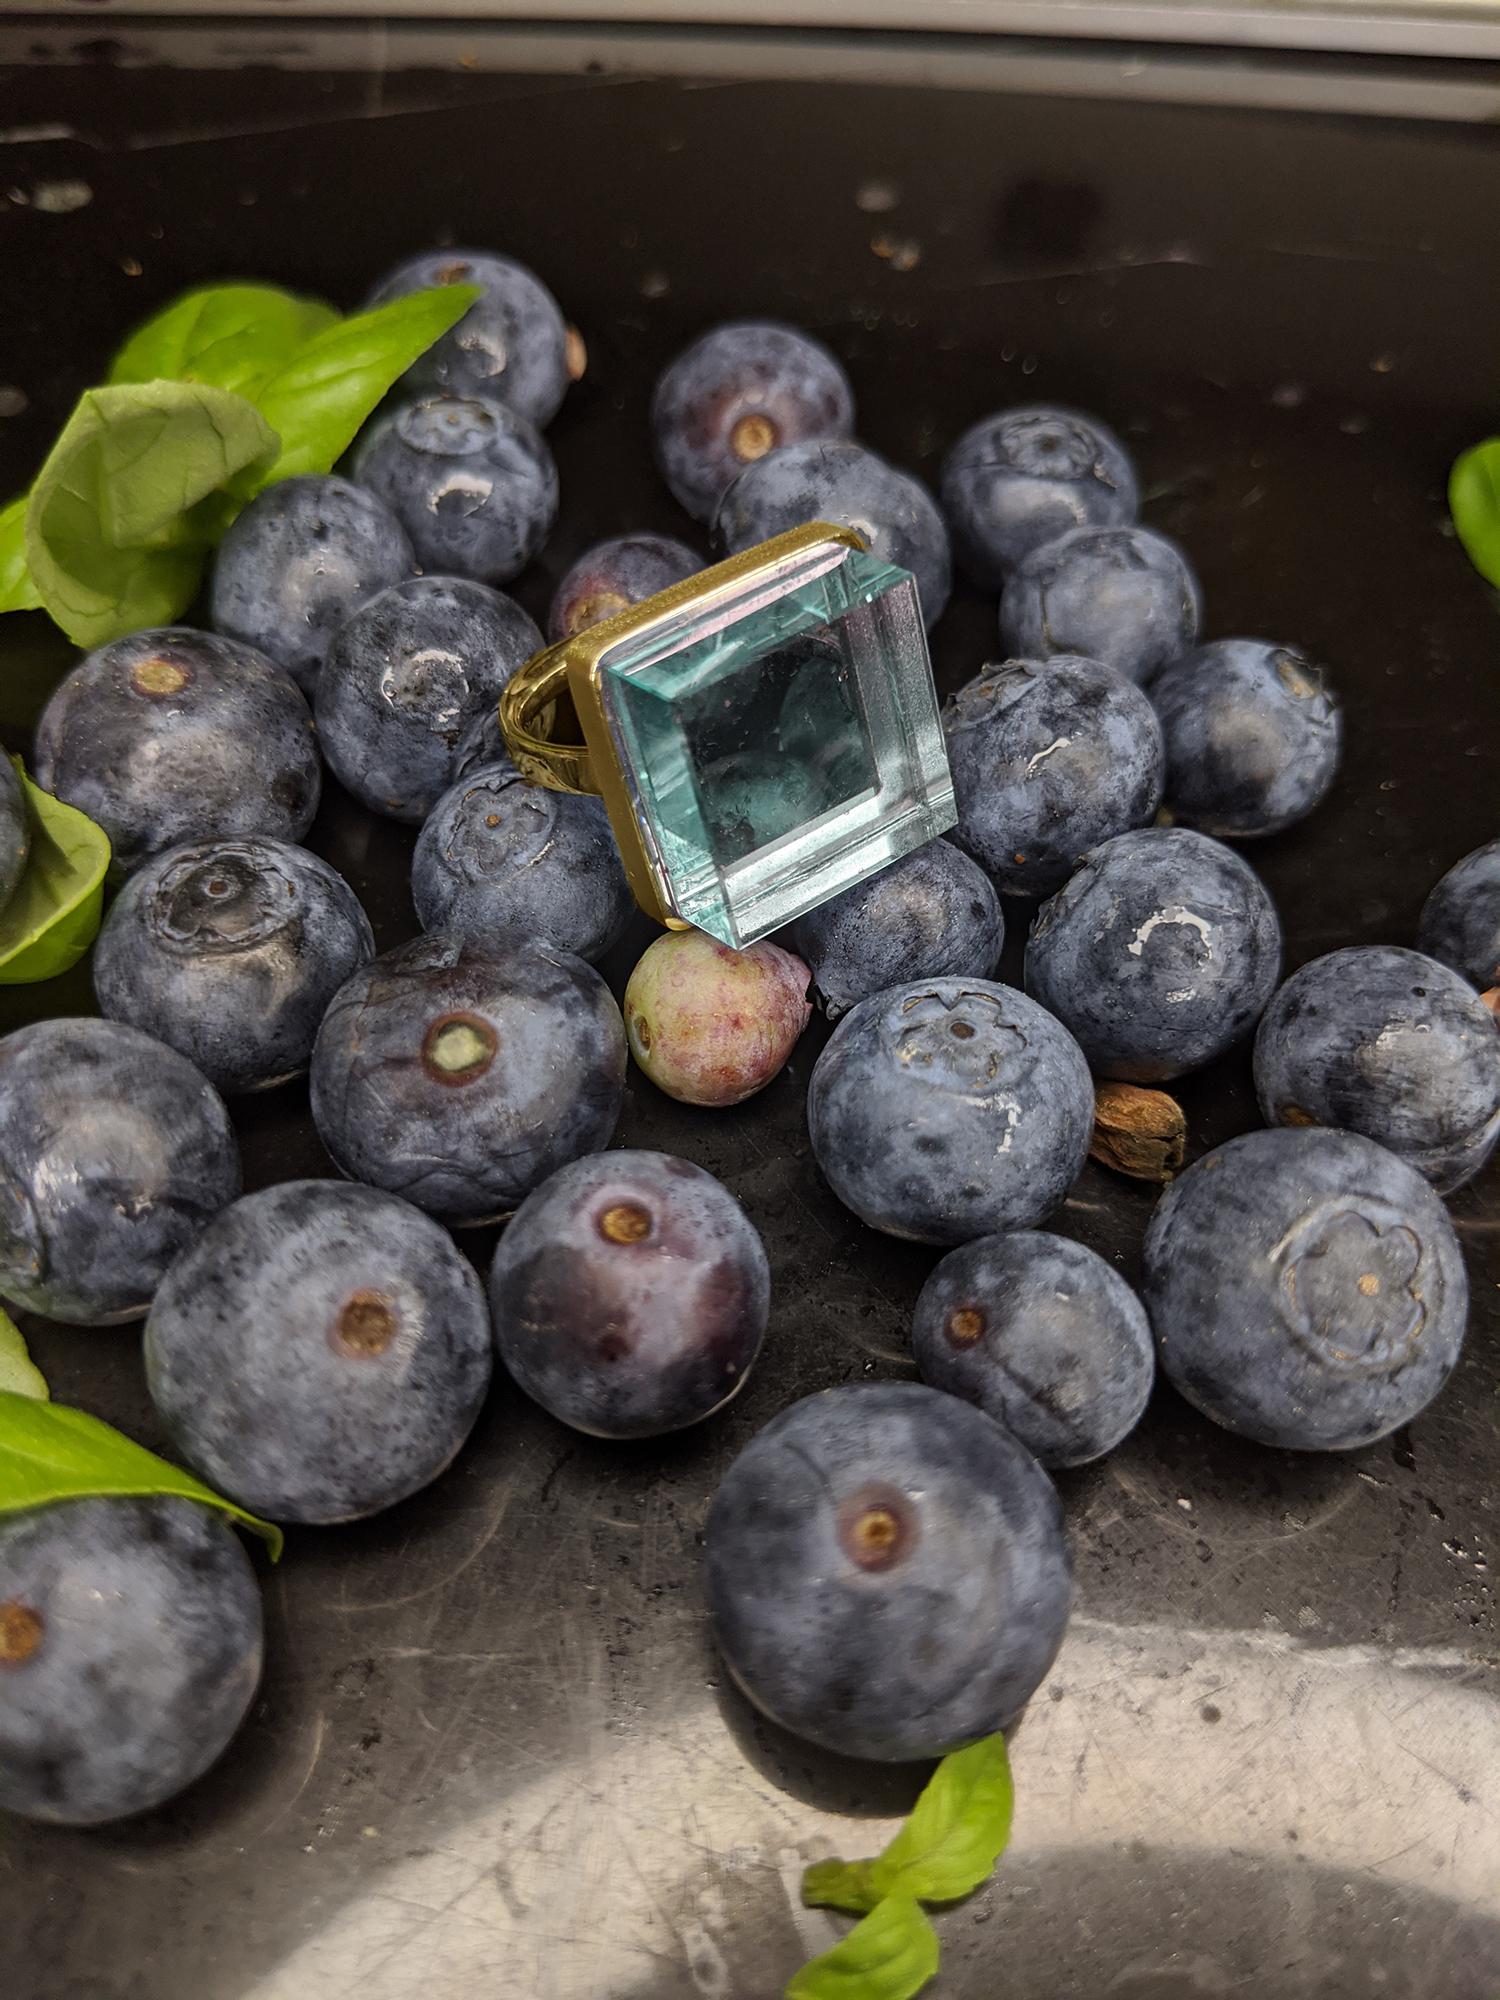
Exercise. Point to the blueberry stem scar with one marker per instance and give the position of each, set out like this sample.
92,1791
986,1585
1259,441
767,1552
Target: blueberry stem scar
624,1223
159,677
458,1048
366,1324
20,1633
752,437
965,1325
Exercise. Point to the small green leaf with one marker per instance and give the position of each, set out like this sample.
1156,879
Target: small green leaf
114,540
1474,502
230,336
950,1842
889,1955
50,1453
17,591
53,914
324,393
18,1372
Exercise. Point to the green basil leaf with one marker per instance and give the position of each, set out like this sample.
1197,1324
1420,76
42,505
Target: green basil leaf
114,538
324,393
948,1845
18,1372
50,1453
1474,502
53,914
890,1955
17,591
230,336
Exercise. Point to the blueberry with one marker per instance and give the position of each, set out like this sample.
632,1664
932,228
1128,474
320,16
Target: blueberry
302,556
710,1025
409,673
1044,1336
130,1650
481,743
170,735
1048,760
15,830
1460,923
851,487
887,1571
932,915
230,951
1306,1289
511,344
460,1077
498,858
611,576
630,1295
1253,733
1023,477
1159,954
740,391
114,1154
320,1352
949,1108
1386,1042
1122,595
472,483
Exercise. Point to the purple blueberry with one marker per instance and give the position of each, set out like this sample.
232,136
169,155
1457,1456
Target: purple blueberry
1159,954
1125,596
887,1571
304,555
173,735
15,830
740,391
461,1077
498,858
472,483
114,1154
629,1295
1306,1289
1049,759
511,344
406,676
1460,923
1253,734
1023,477
932,915
130,1651
849,486
950,1108
611,576
230,951
320,1353
1383,1041
1044,1337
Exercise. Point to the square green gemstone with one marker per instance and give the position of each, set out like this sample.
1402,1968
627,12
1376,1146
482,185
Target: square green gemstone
782,741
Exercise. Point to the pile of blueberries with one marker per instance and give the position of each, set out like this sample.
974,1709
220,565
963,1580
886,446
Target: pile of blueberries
887,1571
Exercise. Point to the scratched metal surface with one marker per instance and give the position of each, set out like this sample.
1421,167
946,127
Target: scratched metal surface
493,1753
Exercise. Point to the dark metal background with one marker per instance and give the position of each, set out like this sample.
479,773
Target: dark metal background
493,1755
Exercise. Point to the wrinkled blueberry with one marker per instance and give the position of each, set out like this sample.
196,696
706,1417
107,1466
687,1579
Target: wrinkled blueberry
740,391
130,1650
1383,1041
15,830
887,1571
1024,477
321,1352
949,1108
499,858
461,1077
172,735
114,1154
1044,1336
710,1025
1122,595
511,344
1306,1289
611,576
1253,734
1159,954
630,1294
408,674
1048,760
230,951
472,483
304,555
933,914
1460,923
